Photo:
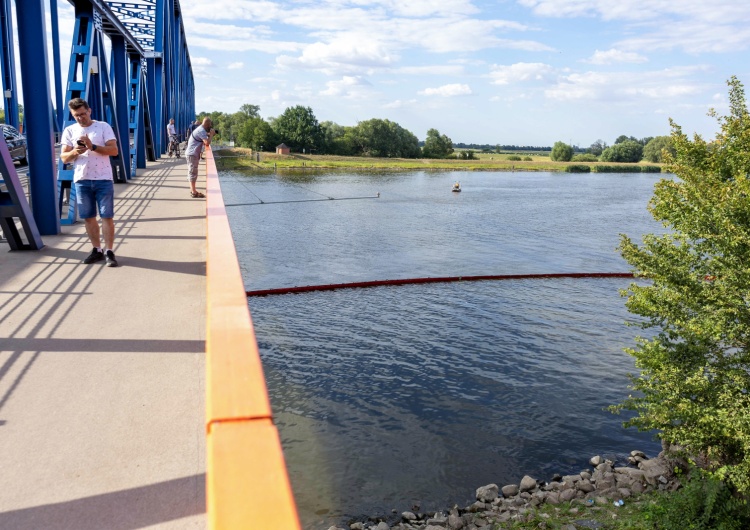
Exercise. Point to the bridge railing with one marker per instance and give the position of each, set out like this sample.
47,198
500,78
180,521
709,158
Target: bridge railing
247,485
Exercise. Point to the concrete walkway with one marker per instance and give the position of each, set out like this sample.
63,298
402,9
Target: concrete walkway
102,369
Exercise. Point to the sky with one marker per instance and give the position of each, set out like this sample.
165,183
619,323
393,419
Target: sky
520,72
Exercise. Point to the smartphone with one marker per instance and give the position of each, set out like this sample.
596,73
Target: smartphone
81,143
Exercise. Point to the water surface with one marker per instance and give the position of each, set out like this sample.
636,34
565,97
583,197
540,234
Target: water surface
391,396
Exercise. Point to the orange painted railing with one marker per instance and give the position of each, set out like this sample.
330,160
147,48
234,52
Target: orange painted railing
247,485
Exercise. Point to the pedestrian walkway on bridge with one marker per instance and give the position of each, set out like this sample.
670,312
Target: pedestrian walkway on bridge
102,418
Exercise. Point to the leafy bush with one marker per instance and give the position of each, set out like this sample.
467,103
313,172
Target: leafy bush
616,169
578,168
693,385
651,169
585,157
515,158
528,159
703,503
561,152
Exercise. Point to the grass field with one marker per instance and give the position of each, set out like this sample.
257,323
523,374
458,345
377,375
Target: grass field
241,158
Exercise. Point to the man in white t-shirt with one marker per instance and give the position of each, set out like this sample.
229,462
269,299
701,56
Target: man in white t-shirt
88,144
199,138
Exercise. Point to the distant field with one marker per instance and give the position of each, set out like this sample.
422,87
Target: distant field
236,158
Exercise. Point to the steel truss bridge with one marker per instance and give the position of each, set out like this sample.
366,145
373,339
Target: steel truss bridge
130,62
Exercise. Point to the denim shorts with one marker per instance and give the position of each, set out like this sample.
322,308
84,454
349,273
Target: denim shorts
93,195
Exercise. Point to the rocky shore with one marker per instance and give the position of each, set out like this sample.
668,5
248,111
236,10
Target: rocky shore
603,484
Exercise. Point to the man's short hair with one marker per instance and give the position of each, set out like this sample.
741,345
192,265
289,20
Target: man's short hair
77,103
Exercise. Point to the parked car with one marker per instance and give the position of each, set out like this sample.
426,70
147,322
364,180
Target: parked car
16,143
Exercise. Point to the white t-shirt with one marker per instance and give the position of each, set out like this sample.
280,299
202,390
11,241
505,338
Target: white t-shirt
171,129
90,165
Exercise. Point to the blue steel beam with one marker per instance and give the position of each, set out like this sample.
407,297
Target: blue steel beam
59,109
38,112
10,93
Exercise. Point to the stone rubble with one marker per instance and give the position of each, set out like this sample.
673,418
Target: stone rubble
602,484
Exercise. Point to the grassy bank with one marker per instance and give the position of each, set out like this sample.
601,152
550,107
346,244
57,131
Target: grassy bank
241,158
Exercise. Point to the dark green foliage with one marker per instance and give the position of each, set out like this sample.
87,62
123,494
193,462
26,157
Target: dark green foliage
599,168
437,145
704,503
650,169
653,151
561,152
528,159
299,129
626,151
467,155
585,157
514,158
384,138
578,168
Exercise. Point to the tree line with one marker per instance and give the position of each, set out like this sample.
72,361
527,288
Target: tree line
299,129
625,149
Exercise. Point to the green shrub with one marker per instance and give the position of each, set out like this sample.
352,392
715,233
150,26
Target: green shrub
703,503
650,169
585,157
515,158
616,169
528,159
578,168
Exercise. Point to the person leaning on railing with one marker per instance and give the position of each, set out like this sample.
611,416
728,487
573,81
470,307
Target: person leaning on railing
199,138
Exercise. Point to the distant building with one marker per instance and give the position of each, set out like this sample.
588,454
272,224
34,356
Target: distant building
282,149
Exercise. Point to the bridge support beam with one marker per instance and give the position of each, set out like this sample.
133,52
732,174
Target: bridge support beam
38,111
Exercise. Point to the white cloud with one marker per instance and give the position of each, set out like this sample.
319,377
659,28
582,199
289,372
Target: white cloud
615,56
520,72
202,61
236,66
430,70
451,90
695,26
621,87
348,87
400,104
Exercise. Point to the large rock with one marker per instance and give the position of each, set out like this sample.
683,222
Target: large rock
653,469
527,484
487,493
510,490
455,522
568,495
585,486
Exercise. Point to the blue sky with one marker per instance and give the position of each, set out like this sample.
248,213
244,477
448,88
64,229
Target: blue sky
524,72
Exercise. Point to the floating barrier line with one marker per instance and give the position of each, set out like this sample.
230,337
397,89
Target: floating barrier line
444,279
301,200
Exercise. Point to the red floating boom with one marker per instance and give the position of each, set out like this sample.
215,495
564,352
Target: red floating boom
405,281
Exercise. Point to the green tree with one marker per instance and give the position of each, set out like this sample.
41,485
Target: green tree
257,134
627,151
384,138
561,152
298,128
597,147
437,145
652,151
251,111
694,381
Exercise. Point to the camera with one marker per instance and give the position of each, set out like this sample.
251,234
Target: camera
216,131
81,143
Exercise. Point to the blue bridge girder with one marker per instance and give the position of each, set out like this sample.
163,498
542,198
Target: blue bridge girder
145,80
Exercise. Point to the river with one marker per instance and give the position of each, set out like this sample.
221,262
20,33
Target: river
394,396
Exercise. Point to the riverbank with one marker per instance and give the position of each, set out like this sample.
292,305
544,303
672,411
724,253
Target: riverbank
242,158
605,495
